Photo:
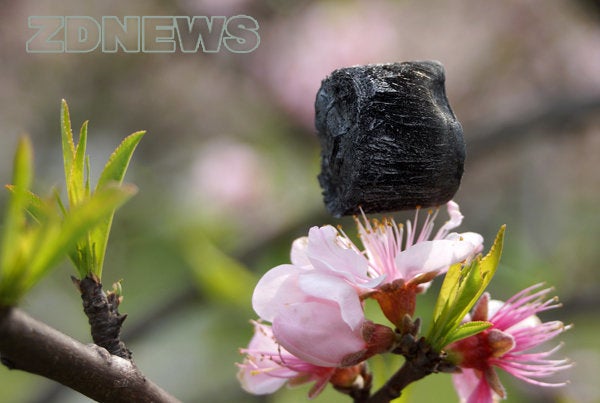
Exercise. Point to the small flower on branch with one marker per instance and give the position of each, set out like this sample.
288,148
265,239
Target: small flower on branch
509,344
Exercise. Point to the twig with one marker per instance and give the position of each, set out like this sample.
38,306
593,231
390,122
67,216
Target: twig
407,374
103,314
32,346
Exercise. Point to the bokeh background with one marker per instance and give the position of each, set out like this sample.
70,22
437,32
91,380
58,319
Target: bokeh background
227,171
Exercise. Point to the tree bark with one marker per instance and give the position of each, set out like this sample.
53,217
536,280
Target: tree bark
32,346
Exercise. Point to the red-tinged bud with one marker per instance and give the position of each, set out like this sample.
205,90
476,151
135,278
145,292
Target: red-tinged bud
378,339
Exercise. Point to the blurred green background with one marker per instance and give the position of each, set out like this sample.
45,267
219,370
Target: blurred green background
227,171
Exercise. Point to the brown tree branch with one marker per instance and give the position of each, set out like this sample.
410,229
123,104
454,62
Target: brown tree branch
32,346
392,389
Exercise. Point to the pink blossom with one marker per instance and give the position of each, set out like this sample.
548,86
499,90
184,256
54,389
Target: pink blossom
397,263
421,254
408,264
315,303
507,345
268,366
318,318
388,254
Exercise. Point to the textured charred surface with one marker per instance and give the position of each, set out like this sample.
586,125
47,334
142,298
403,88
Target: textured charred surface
389,138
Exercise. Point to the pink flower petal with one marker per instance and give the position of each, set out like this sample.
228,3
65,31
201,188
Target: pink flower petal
298,254
316,333
471,237
482,393
335,289
465,383
512,344
259,383
256,374
472,388
326,252
455,220
279,286
431,256
268,366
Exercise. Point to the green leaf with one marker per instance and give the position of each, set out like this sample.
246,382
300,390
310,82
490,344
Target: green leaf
490,262
467,329
15,218
75,182
35,206
88,255
15,244
68,147
40,247
456,299
460,291
87,176
31,247
80,220
448,289
117,164
114,171
59,202
470,289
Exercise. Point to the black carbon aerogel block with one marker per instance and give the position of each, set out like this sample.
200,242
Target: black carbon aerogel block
389,140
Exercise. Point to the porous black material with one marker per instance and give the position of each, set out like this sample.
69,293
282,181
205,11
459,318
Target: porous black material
389,138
